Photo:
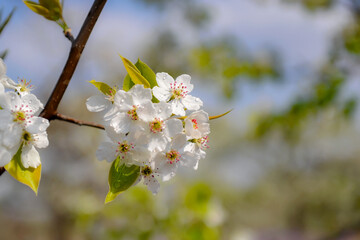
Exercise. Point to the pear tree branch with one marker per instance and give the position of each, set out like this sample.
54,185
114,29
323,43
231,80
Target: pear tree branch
77,47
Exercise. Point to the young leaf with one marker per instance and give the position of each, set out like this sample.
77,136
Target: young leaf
121,177
134,73
127,84
28,176
147,73
103,87
37,8
219,116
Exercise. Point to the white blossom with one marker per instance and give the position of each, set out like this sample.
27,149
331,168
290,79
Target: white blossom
5,80
176,92
196,124
123,116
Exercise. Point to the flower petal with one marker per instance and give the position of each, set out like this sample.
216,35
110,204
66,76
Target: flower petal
173,127
177,107
41,140
191,103
163,80
37,124
106,151
30,157
5,156
185,80
97,103
162,94
146,112
140,94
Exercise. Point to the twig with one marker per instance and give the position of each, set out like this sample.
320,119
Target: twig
69,35
78,122
2,170
77,48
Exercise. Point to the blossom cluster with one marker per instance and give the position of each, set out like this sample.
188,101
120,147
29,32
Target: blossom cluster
158,129
20,127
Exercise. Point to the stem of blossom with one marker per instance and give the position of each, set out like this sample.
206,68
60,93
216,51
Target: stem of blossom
77,48
78,122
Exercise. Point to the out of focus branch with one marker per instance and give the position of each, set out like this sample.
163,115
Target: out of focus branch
77,48
78,122
2,170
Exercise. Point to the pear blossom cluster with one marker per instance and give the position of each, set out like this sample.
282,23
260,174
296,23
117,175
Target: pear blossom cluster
158,135
20,126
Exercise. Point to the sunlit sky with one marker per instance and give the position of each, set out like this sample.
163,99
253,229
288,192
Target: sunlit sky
38,49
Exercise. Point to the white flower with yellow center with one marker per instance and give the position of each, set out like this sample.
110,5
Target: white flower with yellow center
174,155
158,128
176,92
196,125
124,146
123,116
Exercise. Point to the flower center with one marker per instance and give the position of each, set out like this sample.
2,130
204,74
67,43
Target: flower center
124,147
195,124
27,137
178,90
173,156
24,86
133,114
157,125
202,142
19,116
146,170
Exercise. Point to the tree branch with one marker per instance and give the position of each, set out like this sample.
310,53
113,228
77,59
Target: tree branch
77,48
2,170
78,122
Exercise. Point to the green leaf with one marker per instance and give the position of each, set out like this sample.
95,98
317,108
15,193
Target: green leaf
49,9
147,73
134,73
37,8
103,87
121,177
127,84
28,176
6,21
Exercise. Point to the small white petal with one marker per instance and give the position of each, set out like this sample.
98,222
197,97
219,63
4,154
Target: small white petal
173,127
185,80
146,112
12,135
97,103
162,110
106,151
163,80
5,156
121,123
30,157
179,141
123,100
152,184
37,124
41,140
140,94
177,107
191,103
162,94
6,118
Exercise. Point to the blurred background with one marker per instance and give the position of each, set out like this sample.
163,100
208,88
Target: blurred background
284,164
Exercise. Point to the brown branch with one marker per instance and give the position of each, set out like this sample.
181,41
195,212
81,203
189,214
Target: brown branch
62,117
77,48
